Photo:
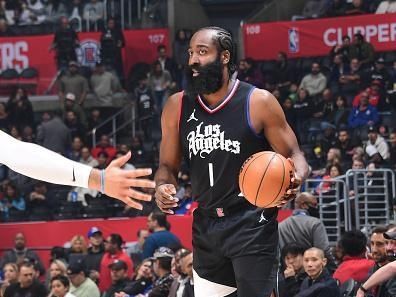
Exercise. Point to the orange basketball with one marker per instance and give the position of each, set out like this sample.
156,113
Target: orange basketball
264,178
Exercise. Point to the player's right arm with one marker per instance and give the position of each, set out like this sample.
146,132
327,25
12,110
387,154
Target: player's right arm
170,155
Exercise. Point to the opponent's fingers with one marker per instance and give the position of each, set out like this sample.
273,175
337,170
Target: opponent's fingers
139,183
166,202
138,172
162,194
163,208
169,189
138,195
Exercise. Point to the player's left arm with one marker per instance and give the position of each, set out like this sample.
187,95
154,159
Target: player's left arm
268,117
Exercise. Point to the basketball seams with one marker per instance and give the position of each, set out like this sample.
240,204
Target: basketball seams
283,181
263,176
247,163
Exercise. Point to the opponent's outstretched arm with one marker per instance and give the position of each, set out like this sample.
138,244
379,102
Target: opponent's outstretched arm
40,163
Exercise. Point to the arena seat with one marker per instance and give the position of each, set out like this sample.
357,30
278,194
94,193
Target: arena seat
28,79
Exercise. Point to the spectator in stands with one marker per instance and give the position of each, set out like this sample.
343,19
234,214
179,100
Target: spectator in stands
13,203
111,43
315,82
77,130
319,282
113,251
70,104
86,157
363,115
361,50
93,14
392,149
20,109
305,227
81,285
380,73
27,284
339,116
160,82
145,106
37,11
167,63
386,6
377,148
350,81
345,144
5,31
104,146
141,281
374,95
324,107
78,249
342,49
290,112
38,197
186,264
95,251
119,278
75,10
57,267
379,255
284,74
250,73
74,83
303,108
180,54
75,152
60,286
328,138
4,121
28,134
355,7
292,255
354,264
135,248
105,86
103,160
161,236
54,134
55,9
162,269
10,276
65,43
338,69
336,8
182,278
314,9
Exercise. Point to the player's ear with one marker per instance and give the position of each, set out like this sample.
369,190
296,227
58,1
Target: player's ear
225,57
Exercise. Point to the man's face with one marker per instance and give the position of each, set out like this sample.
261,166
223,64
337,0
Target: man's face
313,263
19,241
378,248
70,117
73,69
364,100
64,22
343,136
357,164
337,59
186,264
392,139
372,136
295,261
26,276
162,53
104,141
85,154
117,275
111,24
346,42
354,64
205,71
109,245
315,68
96,239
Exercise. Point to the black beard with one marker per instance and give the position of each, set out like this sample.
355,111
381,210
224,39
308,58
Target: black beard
209,80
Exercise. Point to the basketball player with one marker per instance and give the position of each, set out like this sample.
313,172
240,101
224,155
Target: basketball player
216,124
37,162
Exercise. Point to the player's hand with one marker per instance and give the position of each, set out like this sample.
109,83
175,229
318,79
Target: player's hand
164,196
360,293
294,189
119,182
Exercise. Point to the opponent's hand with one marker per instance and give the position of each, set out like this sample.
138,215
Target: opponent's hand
293,190
360,293
119,182
164,198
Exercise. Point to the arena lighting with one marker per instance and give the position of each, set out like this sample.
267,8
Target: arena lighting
380,32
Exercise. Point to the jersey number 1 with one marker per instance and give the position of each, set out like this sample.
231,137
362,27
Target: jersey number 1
211,182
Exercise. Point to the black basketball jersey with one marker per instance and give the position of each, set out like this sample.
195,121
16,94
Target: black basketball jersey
216,142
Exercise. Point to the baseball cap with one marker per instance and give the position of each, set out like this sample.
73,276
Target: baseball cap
70,96
73,63
118,265
390,235
163,252
380,61
372,129
76,267
94,230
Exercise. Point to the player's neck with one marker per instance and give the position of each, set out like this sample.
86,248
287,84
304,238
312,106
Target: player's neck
214,98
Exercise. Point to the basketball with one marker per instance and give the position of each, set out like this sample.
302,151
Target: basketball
264,178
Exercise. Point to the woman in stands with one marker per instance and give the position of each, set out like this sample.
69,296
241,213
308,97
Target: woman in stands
10,272
60,286
57,267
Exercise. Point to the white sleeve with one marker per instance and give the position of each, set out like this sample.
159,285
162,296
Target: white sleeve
40,163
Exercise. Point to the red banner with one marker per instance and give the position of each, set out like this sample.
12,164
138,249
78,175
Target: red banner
33,51
308,38
41,236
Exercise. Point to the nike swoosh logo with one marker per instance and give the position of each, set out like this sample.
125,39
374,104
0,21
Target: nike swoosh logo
74,177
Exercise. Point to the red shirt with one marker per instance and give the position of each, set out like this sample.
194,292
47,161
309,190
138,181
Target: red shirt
356,268
110,151
107,259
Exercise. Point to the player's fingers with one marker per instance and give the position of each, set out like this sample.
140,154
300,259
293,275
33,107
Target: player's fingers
138,195
162,195
138,172
164,208
166,203
131,203
140,183
170,189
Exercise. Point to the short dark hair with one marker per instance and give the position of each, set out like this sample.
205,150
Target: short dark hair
160,47
379,229
63,279
353,243
160,217
165,263
223,41
292,248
